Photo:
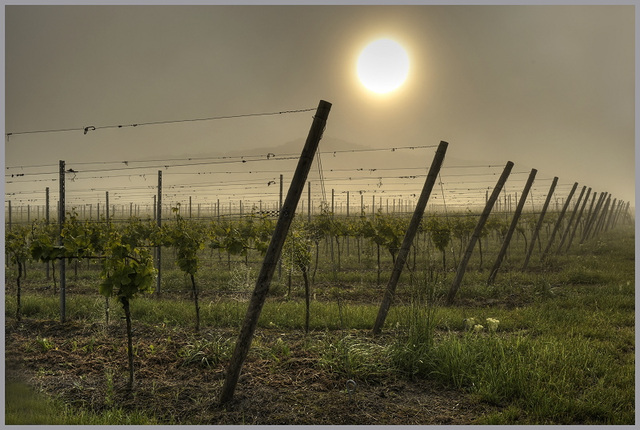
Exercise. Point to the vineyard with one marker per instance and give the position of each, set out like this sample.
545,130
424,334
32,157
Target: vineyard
420,313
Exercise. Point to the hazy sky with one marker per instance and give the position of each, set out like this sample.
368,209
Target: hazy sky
547,87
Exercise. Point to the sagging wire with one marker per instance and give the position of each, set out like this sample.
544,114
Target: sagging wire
86,129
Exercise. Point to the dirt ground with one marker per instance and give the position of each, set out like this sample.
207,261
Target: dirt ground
86,365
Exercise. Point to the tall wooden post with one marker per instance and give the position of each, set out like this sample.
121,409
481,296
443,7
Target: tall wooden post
61,218
462,267
602,217
273,251
617,216
281,186
10,215
333,192
594,217
309,199
347,203
159,223
536,233
559,221
573,215
575,226
46,219
409,235
106,206
611,213
587,221
512,227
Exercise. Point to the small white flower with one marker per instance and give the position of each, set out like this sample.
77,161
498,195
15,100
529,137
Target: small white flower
478,327
493,324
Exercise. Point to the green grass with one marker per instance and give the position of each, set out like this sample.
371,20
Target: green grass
24,406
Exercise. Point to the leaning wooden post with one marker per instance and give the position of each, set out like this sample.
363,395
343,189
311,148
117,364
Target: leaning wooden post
595,217
589,220
512,228
409,235
536,233
618,212
573,215
603,217
287,212
575,227
609,218
557,226
462,267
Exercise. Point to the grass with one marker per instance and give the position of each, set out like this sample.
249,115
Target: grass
25,406
563,352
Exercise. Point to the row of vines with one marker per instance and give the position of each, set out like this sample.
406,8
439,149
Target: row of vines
126,252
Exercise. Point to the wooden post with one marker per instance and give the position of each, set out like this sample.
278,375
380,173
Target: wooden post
559,222
594,216
618,212
159,223
611,213
9,214
274,250
309,199
603,216
332,201
512,227
409,235
462,267
573,215
539,224
106,206
281,185
587,221
46,218
61,217
347,203
575,227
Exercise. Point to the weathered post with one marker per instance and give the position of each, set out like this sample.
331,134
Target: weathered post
333,192
617,216
609,218
462,267
573,215
273,251
512,227
539,224
10,215
281,185
46,220
409,235
159,223
575,227
347,203
587,222
106,206
309,200
603,216
594,217
559,222
61,217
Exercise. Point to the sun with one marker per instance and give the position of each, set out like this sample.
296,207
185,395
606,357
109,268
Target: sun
383,66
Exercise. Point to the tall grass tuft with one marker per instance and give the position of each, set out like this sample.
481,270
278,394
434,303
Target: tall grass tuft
418,321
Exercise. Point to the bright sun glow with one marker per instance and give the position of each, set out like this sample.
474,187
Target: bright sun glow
383,66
